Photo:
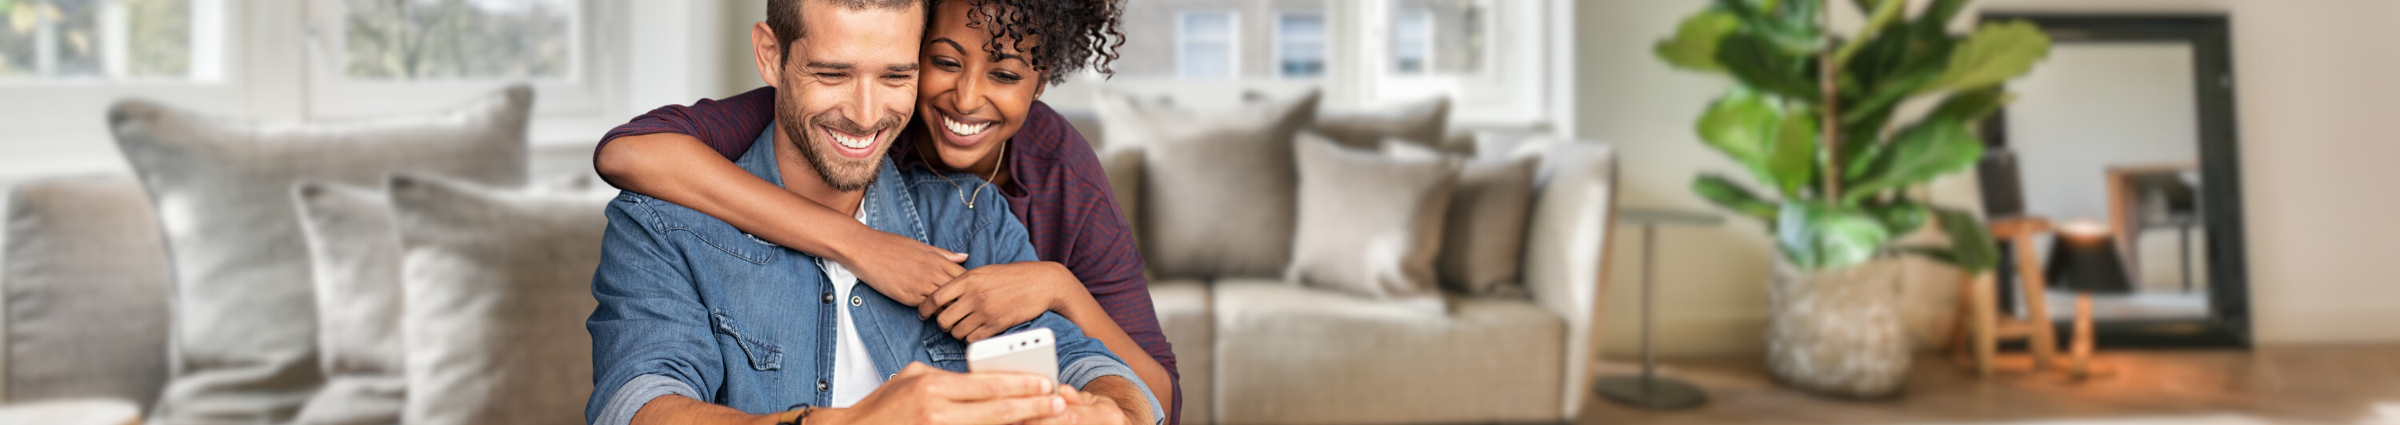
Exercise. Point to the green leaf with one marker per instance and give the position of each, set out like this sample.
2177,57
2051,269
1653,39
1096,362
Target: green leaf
1793,156
1862,147
1935,253
1901,218
1882,14
1994,54
1743,124
1971,244
1695,44
1757,63
1794,27
1725,193
1937,16
1973,105
1921,61
1917,154
1818,235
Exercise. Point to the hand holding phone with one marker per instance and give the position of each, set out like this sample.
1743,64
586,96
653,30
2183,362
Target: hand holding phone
1032,351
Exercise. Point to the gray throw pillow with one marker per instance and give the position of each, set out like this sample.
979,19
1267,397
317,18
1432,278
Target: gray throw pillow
1483,242
243,340
86,287
1217,186
354,252
1370,224
1421,122
497,286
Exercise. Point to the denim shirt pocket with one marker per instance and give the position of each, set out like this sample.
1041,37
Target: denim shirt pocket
943,351
763,355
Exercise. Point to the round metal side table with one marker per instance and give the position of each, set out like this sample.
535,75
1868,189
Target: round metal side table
1648,390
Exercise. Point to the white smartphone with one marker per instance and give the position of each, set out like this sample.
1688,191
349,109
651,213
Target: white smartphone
1032,351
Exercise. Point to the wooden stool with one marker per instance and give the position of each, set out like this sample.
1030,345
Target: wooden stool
1983,325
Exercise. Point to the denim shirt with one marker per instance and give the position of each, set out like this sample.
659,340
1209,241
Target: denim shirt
690,306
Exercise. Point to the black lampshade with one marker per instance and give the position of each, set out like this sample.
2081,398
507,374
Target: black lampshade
2083,258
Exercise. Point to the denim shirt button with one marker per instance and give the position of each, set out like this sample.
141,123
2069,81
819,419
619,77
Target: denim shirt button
855,300
821,385
828,298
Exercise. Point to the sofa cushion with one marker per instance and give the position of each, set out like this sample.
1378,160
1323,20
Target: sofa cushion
1370,224
1218,185
354,254
244,334
86,285
1483,238
1184,314
498,284
1302,355
1420,122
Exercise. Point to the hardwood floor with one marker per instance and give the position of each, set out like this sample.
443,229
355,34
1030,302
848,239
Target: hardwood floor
2330,384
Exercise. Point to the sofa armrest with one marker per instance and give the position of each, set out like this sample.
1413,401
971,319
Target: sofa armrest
1566,246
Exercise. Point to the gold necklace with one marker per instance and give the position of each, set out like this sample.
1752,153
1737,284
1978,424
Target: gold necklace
987,181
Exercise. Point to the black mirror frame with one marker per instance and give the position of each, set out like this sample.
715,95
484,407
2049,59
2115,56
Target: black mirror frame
2227,258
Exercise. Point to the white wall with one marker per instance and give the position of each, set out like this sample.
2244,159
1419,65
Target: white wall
2092,106
2316,96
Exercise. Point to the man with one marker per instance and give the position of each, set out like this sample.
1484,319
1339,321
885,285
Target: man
700,323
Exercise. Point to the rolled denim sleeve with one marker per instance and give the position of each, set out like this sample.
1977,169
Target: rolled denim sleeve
650,334
1082,359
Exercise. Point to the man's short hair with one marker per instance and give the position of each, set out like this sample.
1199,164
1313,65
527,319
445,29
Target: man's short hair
783,16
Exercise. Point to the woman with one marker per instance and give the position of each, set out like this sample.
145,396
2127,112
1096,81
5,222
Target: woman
982,65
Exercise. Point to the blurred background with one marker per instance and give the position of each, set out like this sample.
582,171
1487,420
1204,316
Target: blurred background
2229,145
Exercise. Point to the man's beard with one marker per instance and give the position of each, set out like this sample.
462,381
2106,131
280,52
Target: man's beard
843,174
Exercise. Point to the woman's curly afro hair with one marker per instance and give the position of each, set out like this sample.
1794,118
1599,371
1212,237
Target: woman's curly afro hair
1072,34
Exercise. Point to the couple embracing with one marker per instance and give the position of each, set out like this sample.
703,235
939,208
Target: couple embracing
819,251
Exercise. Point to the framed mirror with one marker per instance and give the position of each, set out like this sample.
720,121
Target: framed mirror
2129,126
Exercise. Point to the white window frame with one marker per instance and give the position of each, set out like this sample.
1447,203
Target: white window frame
1521,72
1233,42
1324,42
1528,80
563,108
269,50
51,119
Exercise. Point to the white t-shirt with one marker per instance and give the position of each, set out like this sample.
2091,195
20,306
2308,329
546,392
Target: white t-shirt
853,372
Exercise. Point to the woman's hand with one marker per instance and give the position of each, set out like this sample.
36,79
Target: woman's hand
898,267
988,300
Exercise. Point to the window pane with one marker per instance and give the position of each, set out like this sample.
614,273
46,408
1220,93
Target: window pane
460,39
97,39
1207,60
1440,36
1300,45
1207,45
1411,29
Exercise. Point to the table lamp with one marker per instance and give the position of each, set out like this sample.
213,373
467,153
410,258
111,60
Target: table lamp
2083,259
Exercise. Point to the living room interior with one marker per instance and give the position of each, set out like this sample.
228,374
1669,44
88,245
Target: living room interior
1600,212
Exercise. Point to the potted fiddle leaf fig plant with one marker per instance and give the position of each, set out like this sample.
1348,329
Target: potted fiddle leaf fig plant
1815,118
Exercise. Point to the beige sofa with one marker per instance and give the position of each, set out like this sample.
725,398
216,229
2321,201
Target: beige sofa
1258,350
86,288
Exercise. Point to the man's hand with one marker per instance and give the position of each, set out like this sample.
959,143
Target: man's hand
901,268
1086,409
921,394
988,300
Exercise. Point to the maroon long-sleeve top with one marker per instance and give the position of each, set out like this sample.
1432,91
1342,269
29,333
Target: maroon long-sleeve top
1060,193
